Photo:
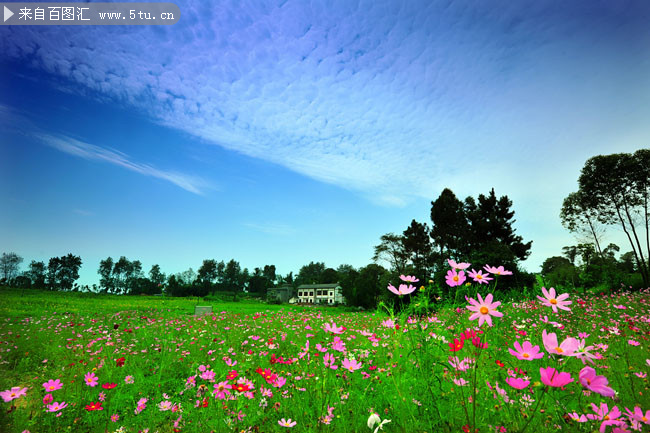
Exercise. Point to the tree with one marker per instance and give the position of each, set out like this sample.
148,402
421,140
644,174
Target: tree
105,272
615,188
579,218
346,278
367,286
391,250
63,271
310,274
417,245
36,274
450,226
559,271
9,266
269,273
156,276
329,276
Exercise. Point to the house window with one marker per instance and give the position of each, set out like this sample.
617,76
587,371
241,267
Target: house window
331,292
329,300
311,293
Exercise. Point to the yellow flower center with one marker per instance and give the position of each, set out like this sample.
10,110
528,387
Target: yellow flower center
455,277
559,350
606,417
484,310
644,419
553,301
479,276
525,355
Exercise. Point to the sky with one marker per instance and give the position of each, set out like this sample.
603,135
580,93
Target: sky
296,131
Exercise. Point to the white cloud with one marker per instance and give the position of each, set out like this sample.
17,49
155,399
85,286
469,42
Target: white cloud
91,152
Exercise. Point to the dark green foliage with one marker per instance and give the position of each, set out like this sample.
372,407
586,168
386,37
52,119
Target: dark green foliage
63,271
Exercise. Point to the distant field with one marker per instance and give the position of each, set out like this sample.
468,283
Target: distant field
84,363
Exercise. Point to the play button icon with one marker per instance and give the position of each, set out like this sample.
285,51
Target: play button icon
8,14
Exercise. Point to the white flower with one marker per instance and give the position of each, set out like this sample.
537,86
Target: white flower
374,419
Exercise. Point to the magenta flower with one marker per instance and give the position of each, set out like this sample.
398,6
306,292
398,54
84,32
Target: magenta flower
403,289
638,415
484,309
517,382
479,277
595,383
552,377
13,393
91,379
48,399
608,417
287,423
352,365
496,271
408,279
115,417
454,278
55,407
460,266
550,300
567,348
526,352
334,329
52,385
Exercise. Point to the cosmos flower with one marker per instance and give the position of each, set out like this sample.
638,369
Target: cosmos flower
374,419
408,279
351,365
555,302
454,278
484,309
554,378
94,406
567,348
479,277
517,382
52,385
334,329
56,406
496,271
595,383
13,393
403,289
91,380
287,423
526,352
460,266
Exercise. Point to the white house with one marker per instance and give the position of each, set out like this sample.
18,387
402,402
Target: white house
320,294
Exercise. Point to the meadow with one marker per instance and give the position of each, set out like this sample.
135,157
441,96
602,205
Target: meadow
89,363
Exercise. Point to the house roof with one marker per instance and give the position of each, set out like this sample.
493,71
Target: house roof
318,286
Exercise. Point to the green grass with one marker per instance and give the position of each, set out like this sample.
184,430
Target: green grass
405,374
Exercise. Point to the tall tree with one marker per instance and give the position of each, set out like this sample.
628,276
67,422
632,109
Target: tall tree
269,273
9,266
310,274
417,245
36,274
156,276
613,187
63,271
105,272
579,218
450,227
391,250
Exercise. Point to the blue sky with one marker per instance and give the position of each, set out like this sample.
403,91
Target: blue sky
286,132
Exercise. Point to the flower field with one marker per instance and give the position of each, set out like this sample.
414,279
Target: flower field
556,362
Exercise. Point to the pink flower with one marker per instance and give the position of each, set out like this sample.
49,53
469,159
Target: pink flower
408,279
91,379
333,328
479,277
165,405
55,407
287,423
13,393
608,417
48,399
527,352
517,382
221,390
483,309
584,353
461,266
454,278
403,289
567,348
460,381
351,365
633,342
115,417
639,415
595,383
52,385
551,377
577,418
496,271
128,379
550,300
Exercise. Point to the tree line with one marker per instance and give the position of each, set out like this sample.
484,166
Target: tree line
613,192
